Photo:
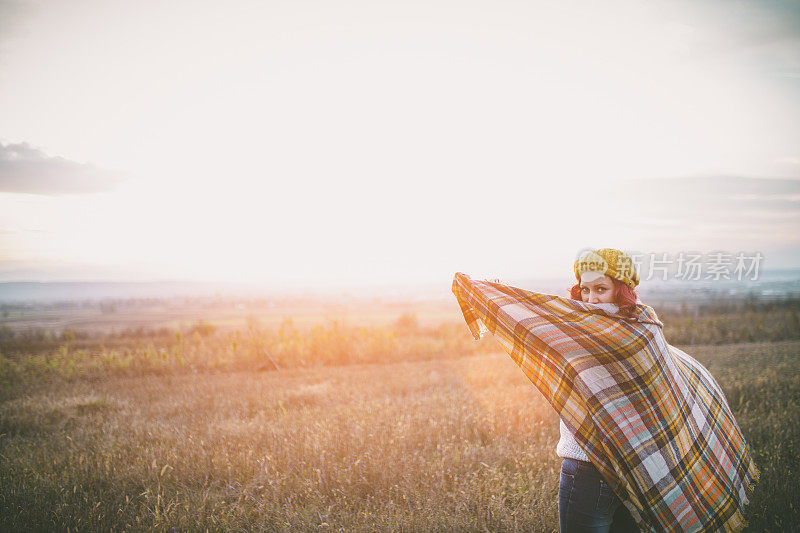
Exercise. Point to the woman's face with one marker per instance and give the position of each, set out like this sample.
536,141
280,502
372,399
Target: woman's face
598,291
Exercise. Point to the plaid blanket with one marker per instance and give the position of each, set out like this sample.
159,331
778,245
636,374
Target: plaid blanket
652,419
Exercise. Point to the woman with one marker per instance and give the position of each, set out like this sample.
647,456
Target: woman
585,500
647,435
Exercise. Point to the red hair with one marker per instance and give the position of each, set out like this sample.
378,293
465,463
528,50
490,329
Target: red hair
624,296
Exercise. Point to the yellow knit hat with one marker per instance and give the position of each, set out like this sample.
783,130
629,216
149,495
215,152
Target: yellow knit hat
613,263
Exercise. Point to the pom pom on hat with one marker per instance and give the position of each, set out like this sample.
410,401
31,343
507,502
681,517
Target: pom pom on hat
611,262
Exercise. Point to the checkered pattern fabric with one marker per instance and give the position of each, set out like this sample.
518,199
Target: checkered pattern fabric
651,418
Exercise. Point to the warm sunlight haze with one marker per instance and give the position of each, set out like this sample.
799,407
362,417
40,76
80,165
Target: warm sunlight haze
361,141
399,265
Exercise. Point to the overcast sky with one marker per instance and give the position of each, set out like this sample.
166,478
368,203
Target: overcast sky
345,141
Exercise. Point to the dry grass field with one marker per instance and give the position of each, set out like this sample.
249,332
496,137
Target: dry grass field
196,434
442,444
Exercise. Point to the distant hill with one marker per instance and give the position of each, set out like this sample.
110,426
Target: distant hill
100,290
772,284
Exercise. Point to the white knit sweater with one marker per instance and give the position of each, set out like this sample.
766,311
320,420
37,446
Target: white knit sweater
567,446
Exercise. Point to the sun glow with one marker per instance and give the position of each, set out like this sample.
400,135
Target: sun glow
357,140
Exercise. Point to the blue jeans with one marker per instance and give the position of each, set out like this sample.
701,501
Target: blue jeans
587,503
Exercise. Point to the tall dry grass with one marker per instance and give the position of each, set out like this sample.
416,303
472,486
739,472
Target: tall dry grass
397,427
441,444
29,356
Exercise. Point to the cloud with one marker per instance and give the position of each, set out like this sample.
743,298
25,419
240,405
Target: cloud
12,14
763,35
714,209
24,169
705,194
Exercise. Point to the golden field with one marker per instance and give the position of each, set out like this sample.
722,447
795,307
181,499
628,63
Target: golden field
404,426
